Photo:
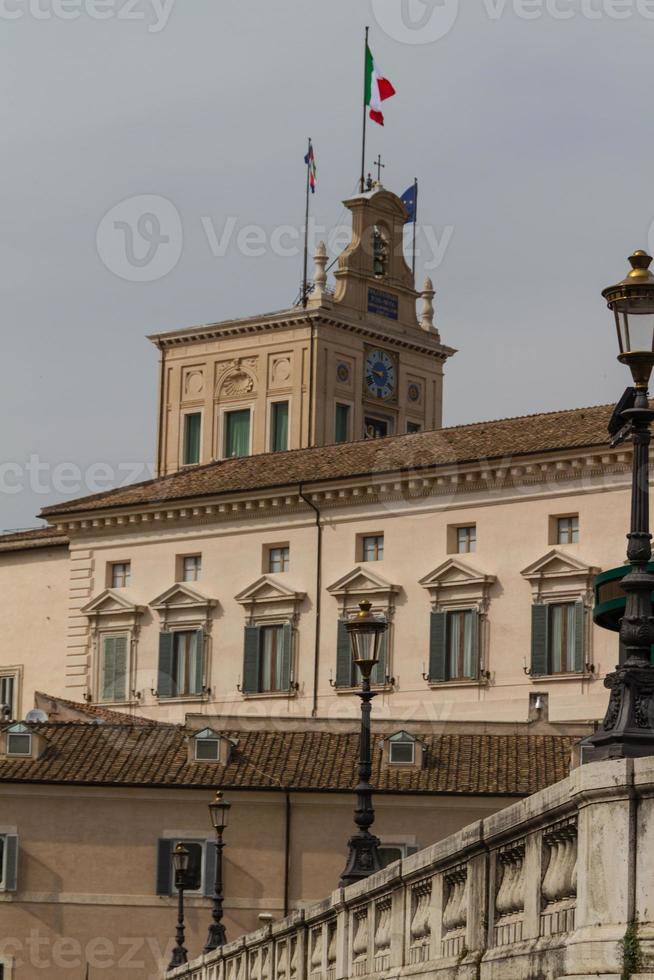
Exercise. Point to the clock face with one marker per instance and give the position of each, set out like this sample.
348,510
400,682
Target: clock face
380,374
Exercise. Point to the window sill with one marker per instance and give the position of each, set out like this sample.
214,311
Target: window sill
116,704
258,695
471,682
378,688
573,675
184,699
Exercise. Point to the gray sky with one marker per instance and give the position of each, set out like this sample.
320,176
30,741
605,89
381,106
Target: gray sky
533,140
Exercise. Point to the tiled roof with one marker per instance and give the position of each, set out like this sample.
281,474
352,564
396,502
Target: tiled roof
156,756
39,537
503,439
62,709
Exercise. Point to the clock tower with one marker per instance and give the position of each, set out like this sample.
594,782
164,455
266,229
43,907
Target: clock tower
354,363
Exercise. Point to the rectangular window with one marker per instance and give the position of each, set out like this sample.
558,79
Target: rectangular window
372,547
401,749
187,663
113,667
8,863
561,637
120,574
19,744
279,426
237,433
8,693
567,529
207,749
201,867
271,659
413,427
192,429
342,423
279,559
466,539
461,644
376,428
190,567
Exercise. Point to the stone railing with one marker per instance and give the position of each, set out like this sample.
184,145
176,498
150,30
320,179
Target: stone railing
546,888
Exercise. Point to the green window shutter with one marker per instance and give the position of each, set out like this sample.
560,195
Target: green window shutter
108,667
208,885
437,648
11,863
379,672
165,681
475,643
287,656
198,679
539,616
250,683
344,663
580,634
164,866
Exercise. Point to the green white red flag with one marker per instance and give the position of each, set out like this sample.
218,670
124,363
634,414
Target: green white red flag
378,88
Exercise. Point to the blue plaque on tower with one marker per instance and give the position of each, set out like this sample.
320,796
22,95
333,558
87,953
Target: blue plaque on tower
382,303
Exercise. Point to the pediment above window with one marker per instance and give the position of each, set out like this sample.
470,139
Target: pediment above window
559,575
181,605
267,598
456,584
112,610
362,583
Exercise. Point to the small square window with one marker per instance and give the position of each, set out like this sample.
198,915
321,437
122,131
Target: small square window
191,567
567,529
372,547
412,427
279,558
402,749
19,744
207,749
466,539
120,574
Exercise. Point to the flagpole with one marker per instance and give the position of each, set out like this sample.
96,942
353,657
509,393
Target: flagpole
363,140
415,221
305,284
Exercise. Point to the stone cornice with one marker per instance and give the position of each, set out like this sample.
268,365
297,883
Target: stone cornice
522,474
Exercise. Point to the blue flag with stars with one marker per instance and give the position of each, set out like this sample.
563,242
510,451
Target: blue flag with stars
410,201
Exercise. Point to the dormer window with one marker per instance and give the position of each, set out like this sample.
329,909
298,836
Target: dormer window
207,749
19,741
402,749
210,746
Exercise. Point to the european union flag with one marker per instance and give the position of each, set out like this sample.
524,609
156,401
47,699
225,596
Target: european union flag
410,201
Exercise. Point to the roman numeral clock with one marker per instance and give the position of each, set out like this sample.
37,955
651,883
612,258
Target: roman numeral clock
380,375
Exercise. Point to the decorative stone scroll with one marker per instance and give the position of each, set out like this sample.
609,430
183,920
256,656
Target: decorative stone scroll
360,942
455,911
382,941
559,886
510,896
420,927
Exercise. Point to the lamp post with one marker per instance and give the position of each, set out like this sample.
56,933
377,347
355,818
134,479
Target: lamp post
180,864
219,813
365,632
628,726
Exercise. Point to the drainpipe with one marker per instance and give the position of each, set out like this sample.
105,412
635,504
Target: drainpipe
287,849
311,433
162,381
316,653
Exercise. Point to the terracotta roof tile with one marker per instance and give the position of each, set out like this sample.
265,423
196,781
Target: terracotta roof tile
155,755
506,438
38,537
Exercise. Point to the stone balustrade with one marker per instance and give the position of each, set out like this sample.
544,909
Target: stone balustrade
545,889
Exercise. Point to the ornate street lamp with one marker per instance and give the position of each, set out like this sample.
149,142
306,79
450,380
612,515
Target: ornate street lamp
365,632
628,726
219,813
180,864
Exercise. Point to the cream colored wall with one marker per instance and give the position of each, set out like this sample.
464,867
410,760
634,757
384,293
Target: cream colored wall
512,533
33,591
87,865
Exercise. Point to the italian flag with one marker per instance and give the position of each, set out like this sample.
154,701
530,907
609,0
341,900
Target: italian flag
378,88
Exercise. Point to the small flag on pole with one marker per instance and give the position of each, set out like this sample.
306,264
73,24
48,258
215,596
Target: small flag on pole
410,201
310,161
378,88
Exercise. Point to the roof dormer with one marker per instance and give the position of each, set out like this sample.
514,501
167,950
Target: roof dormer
19,741
209,745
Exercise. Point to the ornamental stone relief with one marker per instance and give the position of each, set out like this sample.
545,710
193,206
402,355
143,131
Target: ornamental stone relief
237,378
193,384
280,371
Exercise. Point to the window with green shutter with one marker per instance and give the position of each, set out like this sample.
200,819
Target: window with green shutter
454,642
558,638
114,667
192,430
8,862
279,426
345,668
181,663
267,659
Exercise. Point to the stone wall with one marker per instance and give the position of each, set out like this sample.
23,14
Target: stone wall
543,890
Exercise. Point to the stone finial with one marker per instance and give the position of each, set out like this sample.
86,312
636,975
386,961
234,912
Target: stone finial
320,259
427,314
